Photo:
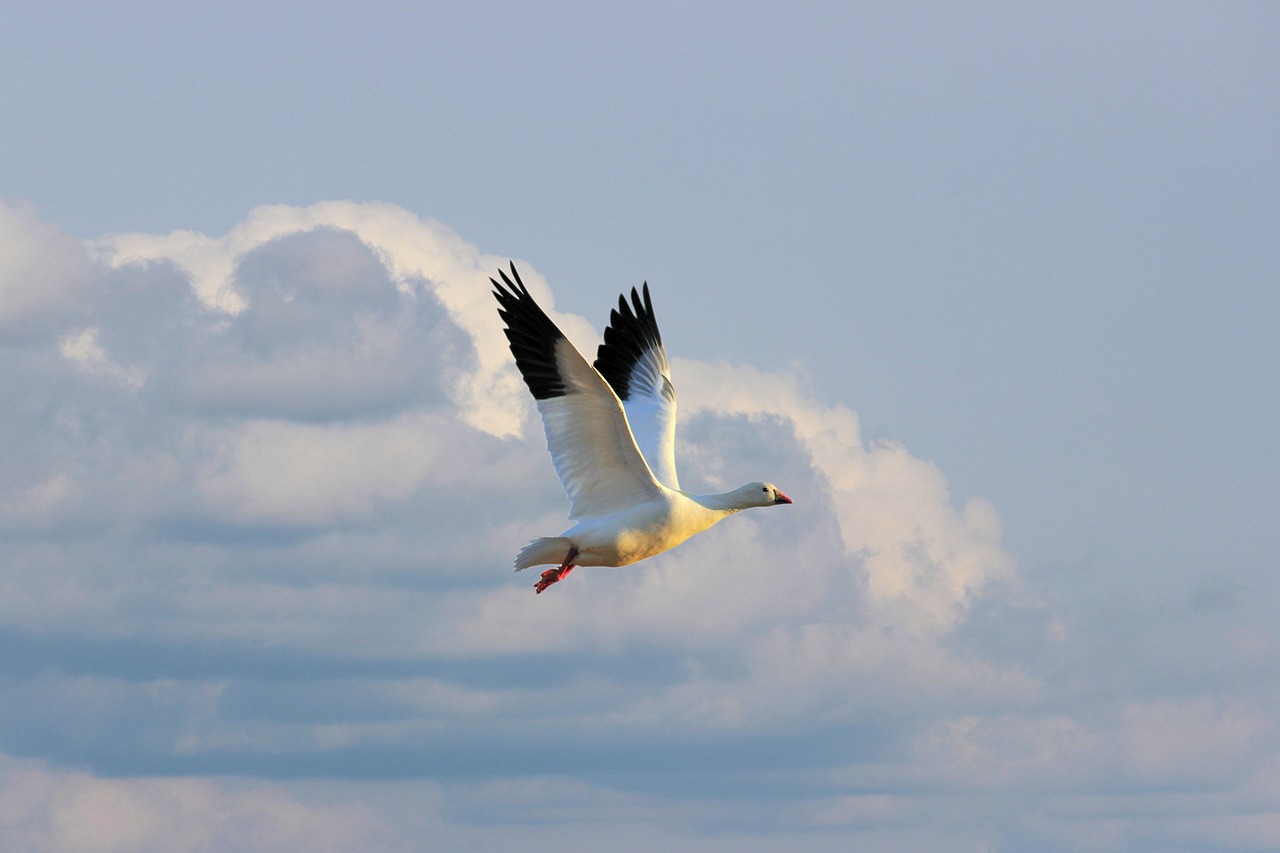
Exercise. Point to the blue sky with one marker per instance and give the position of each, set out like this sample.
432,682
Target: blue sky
990,289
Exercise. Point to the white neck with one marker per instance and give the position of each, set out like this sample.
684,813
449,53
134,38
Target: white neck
724,502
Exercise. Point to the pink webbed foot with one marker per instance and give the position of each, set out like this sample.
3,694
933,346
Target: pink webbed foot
551,576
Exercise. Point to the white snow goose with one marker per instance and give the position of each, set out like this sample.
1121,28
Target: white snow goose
611,432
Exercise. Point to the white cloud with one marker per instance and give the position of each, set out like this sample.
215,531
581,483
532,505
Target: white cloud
923,560
43,274
1168,741
412,250
277,472
259,502
83,349
44,809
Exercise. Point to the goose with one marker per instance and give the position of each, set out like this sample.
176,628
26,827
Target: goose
610,430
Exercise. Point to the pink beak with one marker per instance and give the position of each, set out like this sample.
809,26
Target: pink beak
781,498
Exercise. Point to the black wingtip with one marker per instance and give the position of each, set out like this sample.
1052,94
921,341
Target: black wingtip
642,307
632,331
515,273
531,334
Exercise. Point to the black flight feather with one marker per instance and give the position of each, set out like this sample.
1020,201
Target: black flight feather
632,331
532,336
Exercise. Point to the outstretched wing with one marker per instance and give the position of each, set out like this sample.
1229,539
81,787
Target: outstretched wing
595,455
634,362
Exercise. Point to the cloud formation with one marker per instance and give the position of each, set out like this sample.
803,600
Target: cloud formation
259,497
42,809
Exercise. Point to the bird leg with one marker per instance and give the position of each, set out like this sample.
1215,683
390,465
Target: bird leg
551,576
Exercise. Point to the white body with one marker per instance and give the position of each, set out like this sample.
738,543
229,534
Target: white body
637,532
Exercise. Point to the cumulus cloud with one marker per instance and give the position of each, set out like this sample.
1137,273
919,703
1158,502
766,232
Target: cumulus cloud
259,501
44,275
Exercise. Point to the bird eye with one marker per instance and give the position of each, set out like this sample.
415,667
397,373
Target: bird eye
764,488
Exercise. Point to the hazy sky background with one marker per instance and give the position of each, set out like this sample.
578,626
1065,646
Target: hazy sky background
990,289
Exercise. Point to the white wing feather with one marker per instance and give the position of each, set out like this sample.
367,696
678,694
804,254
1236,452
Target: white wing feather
594,452
651,411
634,362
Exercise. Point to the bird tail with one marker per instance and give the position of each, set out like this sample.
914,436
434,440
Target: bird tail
545,550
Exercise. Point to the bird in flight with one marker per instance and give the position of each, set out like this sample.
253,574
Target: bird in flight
611,432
